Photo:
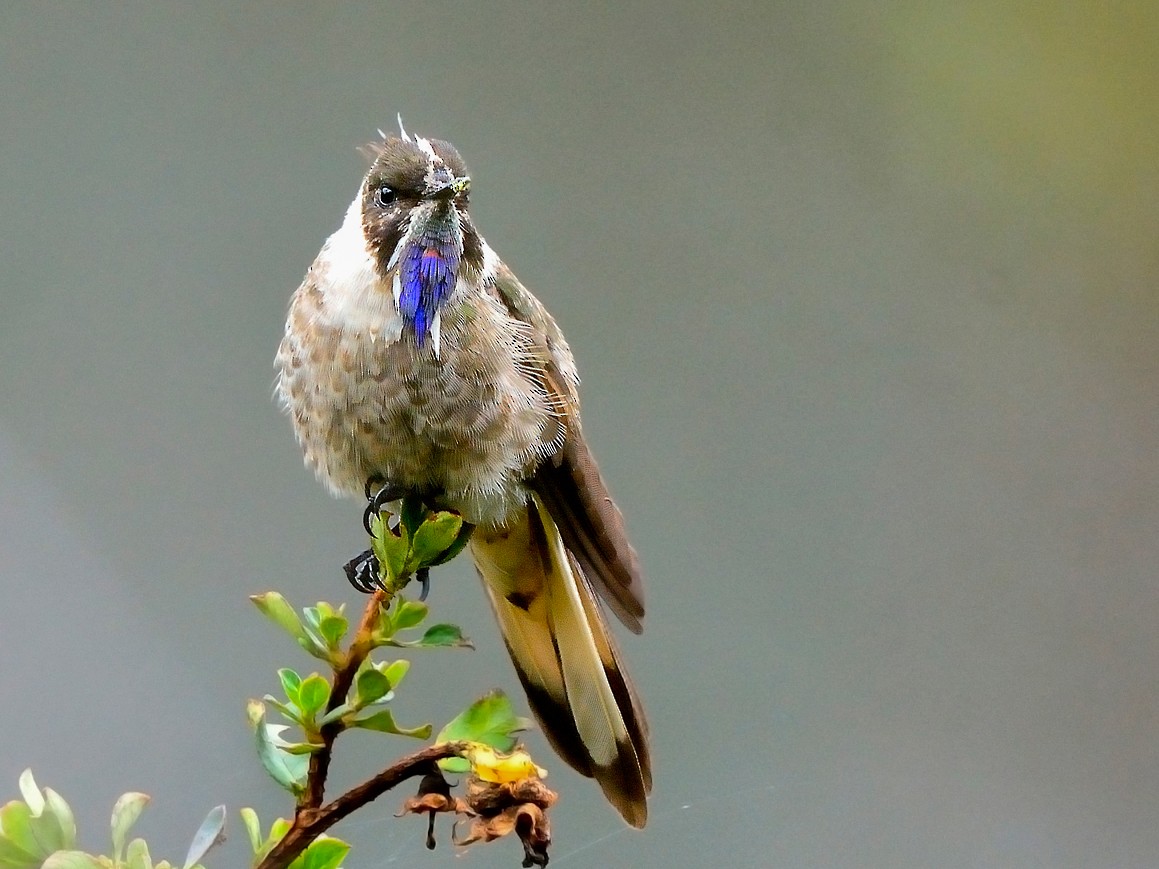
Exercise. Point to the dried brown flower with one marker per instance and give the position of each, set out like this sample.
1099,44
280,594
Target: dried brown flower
520,806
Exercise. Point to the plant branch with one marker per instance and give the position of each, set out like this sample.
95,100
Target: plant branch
438,536
344,674
309,823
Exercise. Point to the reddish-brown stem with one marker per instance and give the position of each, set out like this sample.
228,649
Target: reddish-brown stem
344,673
309,823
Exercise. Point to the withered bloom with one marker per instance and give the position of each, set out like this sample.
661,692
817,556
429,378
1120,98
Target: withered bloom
519,806
433,797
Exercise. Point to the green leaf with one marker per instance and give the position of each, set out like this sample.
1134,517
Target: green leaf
383,721
279,611
323,853
125,813
328,610
137,855
288,770
37,827
413,514
19,842
278,829
396,672
253,828
210,833
490,720
33,798
339,711
333,629
70,860
298,747
434,537
312,696
459,544
291,681
408,613
370,685
444,635
383,629
390,549
458,765
48,833
312,639
289,710
311,624
326,624
62,812
12,855
316,647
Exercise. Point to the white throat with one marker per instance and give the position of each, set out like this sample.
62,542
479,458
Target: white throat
347,276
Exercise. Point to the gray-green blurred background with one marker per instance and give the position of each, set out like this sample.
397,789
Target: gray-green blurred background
864,299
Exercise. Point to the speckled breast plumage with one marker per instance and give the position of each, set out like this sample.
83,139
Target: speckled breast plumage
367,401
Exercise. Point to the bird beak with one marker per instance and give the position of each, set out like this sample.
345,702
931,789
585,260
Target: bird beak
451,187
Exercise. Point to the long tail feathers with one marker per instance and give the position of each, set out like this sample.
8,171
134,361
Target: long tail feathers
566,658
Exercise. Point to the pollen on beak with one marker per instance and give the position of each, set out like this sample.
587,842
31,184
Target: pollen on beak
450,187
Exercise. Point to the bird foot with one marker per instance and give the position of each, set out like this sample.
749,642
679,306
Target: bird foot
363,570
363,573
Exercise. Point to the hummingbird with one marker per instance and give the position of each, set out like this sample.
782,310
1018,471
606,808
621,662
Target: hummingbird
414,360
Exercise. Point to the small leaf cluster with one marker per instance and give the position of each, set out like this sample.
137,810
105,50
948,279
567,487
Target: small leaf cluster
420,539
39,832
309,702
321,629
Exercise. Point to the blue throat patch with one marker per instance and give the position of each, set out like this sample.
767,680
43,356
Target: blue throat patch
427,274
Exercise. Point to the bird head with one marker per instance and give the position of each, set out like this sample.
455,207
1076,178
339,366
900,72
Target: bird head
416,224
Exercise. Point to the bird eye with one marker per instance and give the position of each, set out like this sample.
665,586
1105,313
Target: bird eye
384,196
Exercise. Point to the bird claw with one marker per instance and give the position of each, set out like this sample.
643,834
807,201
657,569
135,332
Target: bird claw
362,571
379,493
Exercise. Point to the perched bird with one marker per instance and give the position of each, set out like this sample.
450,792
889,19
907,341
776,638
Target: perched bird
413,356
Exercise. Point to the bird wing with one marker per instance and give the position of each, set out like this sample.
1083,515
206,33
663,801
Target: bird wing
568,481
